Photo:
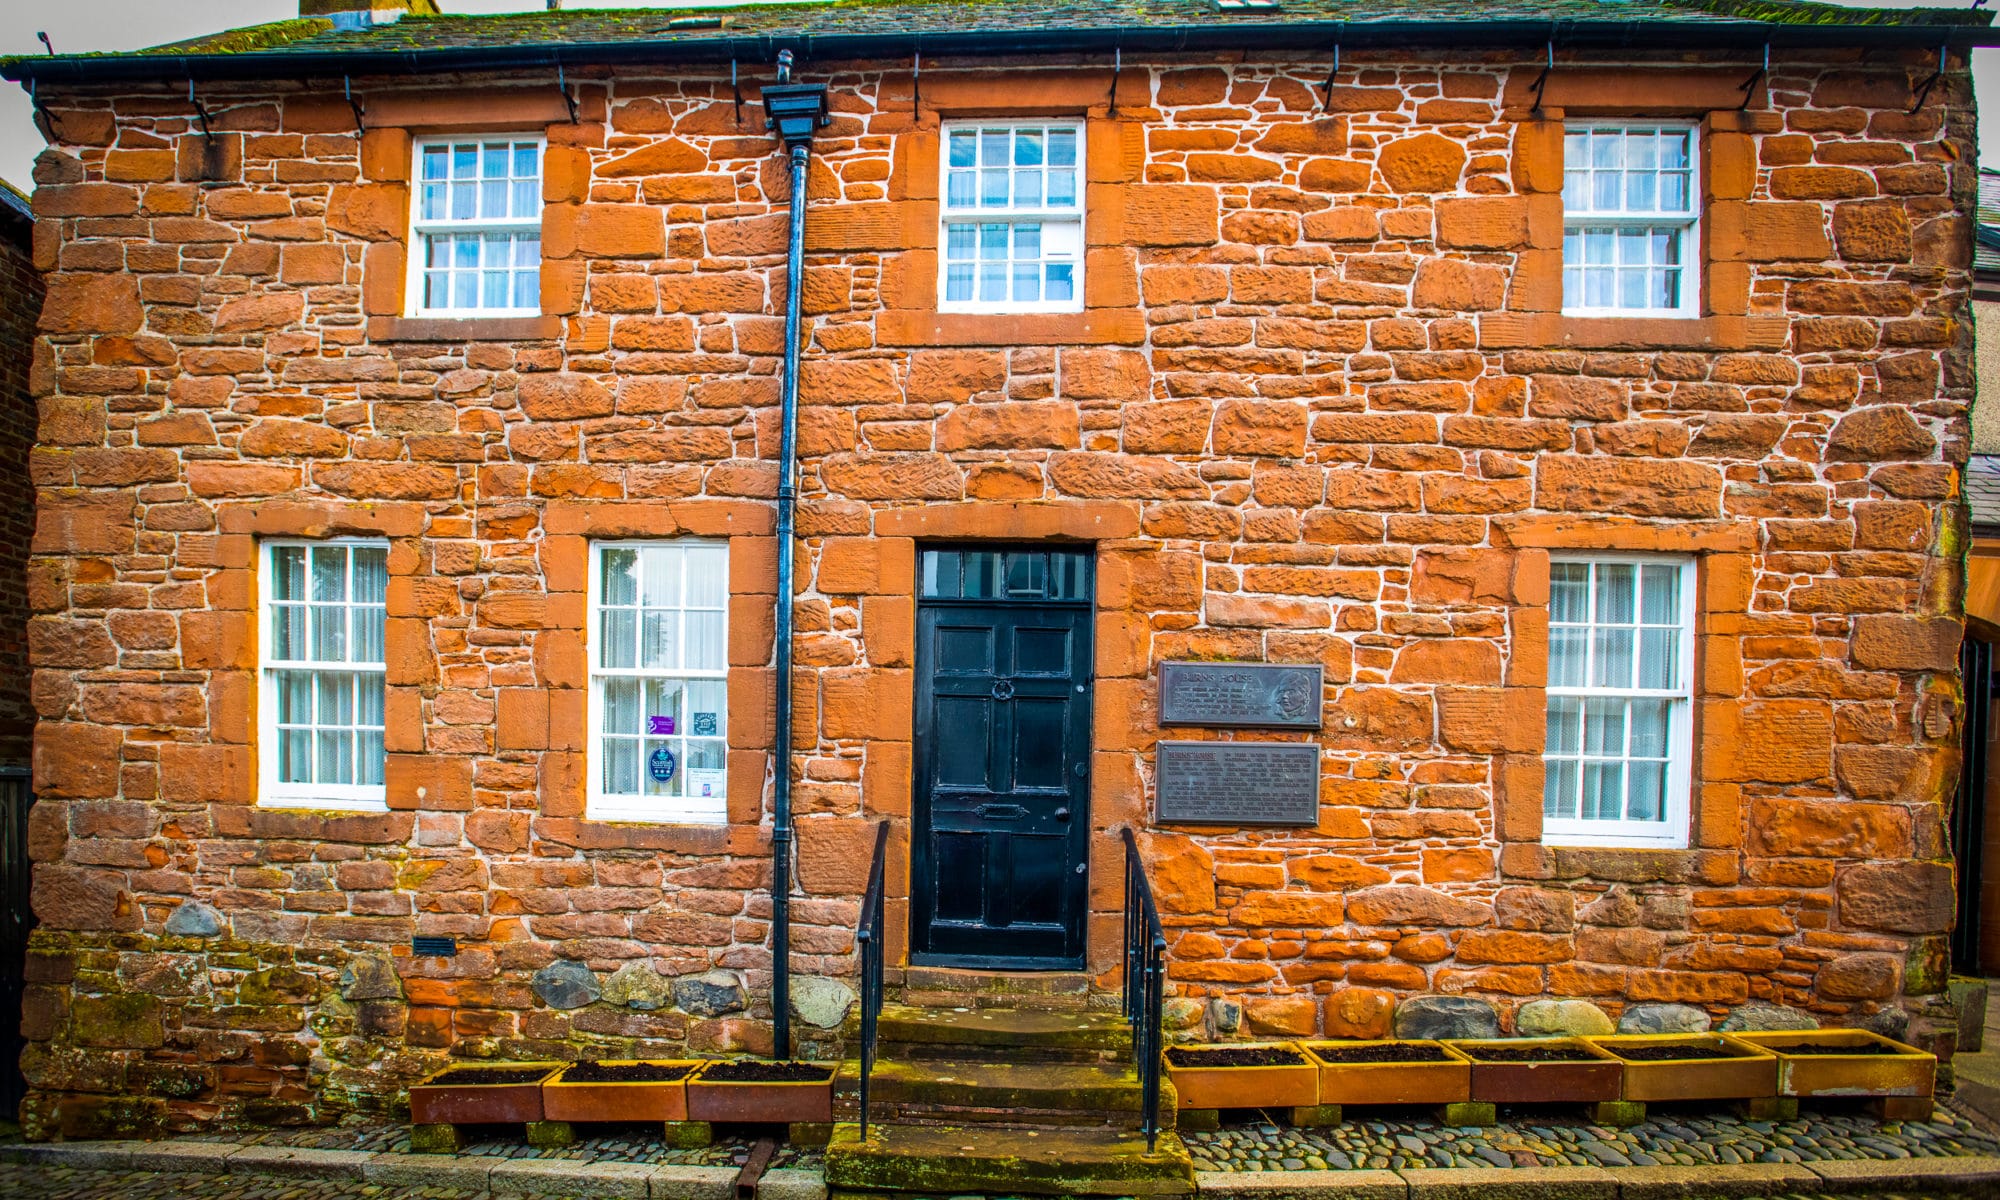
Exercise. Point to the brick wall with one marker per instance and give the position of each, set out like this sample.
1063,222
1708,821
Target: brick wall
1321,405
20,301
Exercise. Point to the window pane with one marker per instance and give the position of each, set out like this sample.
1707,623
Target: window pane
663,713
1659,658
1062,189
708,708
619,633
621,766
659,642
1603,791
435,162
295,701
620,581
1559,789
288,632
1604,727
1062,146
1647,798
1061,283
1568,656
295,756
525,166
1565,725
1615,593
993,147
621,706
958,282
1651,722
1569,592
1028,148
964,148
962,189
707,576
1611,650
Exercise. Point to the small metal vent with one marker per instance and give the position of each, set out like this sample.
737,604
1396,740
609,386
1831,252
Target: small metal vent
1248,6
697,23
434,947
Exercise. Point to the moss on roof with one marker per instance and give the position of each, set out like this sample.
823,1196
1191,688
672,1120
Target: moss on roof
576,31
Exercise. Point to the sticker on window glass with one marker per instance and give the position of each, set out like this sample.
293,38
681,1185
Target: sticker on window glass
660,765
659,725
703,725
705,782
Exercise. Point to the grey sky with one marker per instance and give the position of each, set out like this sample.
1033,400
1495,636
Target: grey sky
80,25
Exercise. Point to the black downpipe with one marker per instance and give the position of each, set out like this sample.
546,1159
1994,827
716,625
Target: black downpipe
794,110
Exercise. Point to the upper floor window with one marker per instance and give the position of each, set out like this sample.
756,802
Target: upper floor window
477,227
659,671
322,618
1013,217
1629,220
1621,662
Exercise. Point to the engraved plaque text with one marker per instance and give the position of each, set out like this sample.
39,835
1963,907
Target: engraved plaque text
1240,695
1237,783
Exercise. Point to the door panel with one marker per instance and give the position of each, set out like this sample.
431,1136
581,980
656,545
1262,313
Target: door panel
1000,853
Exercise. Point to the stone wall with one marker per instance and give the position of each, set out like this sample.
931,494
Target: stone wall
1321,405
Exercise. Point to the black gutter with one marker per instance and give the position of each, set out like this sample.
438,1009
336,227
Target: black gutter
1301,37
795,111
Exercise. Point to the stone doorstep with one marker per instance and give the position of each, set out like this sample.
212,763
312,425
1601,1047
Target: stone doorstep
300,1162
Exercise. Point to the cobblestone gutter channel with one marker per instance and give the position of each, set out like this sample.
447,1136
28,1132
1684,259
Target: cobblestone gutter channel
1665,1159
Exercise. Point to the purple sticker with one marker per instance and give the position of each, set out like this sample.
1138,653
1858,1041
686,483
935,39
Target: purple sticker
659,724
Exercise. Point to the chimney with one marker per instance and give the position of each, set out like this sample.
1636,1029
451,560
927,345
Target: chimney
360,14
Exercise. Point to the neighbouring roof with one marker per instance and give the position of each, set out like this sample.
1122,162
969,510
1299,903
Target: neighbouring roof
1982,489
972,26
17,217
1986,250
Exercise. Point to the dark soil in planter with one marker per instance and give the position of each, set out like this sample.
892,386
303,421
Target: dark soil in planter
482,1076
751,1071
590,1072
1672,1053
1380,1054
1833,1048
1247,1056
1530,1054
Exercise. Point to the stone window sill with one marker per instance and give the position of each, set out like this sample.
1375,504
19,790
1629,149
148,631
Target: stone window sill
1543,331
1092,326
464,329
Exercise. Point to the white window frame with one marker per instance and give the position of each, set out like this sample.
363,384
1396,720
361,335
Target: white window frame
422,230
666,810
1011,215
1672,832
272,791
1689,223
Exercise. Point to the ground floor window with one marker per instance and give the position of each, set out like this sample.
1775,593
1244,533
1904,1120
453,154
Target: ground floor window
322,610
659,681
1619,697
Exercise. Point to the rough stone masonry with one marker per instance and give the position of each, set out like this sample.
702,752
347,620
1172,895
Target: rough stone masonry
1322,405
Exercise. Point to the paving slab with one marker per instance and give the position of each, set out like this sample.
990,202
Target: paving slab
556,1176
791,1183
1302,1185
1925,1176
82,1156
212,1157
673,1182
1510,1183
427,1170
296,1162
1721,1182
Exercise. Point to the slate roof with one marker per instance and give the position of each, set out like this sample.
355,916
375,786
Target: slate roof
680,33
1986,249
1982,489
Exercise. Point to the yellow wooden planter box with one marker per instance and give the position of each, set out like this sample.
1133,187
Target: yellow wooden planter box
1287,1085
1751,1075
1448,1082
1907,1071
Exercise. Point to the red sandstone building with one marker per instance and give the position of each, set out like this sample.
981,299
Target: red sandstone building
1588,413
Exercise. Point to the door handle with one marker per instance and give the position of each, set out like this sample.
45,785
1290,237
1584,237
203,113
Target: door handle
1062,814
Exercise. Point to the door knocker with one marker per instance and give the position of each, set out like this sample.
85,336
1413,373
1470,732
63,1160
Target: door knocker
1003,689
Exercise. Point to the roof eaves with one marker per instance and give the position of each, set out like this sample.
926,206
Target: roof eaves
862,28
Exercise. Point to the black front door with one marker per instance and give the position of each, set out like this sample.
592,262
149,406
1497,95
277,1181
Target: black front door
999,870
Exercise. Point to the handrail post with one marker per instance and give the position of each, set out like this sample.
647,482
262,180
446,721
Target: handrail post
868,945
1145,984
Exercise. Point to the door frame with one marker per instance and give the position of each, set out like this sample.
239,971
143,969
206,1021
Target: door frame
1086,667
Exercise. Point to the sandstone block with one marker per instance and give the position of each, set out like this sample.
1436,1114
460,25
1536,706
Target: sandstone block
1446,1017
1427,162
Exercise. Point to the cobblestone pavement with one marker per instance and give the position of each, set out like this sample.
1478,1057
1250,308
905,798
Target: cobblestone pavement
636,1143
67,1183
1535,1139
64,1183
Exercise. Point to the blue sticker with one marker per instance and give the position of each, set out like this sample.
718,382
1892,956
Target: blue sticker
660,764
704,724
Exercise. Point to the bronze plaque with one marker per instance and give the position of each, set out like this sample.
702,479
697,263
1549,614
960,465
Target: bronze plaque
1240,695
1237,783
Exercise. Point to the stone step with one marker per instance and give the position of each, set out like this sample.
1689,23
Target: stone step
946,987
1006,1161
1012,1034
1029,1093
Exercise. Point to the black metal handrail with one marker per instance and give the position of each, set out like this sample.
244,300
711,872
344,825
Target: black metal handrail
1145,985
868,944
